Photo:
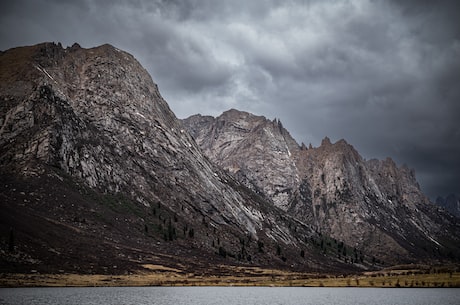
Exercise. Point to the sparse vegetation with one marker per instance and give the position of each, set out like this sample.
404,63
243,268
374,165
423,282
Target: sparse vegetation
158,275
116,193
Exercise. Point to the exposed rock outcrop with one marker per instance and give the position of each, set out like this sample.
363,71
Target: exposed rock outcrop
97,173
95,119
372,205
255,150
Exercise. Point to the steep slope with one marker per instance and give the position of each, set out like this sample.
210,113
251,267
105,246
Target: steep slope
97,173
255,150
373,205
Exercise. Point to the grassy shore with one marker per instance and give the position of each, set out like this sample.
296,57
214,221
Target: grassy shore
237,276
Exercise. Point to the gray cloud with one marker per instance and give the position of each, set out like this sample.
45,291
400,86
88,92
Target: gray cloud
383,75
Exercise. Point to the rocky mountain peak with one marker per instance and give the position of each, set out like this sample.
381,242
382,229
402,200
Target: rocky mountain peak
326,141
340,148
101,87
91,151
365,203
242,143
234,114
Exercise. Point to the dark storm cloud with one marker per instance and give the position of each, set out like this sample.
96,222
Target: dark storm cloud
384,75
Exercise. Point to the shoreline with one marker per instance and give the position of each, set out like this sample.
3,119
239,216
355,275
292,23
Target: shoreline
269,278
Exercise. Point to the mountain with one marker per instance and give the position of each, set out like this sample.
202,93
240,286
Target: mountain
371,205
256,150
451,203
97,175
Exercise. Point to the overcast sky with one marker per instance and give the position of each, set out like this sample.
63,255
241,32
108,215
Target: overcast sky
384,75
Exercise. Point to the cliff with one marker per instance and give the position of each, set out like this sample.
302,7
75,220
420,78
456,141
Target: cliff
374,205
97,172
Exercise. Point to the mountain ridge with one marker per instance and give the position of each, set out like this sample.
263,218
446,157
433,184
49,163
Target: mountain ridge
362,202
99,176
93,155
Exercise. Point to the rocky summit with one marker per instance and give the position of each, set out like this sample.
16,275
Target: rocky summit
371,205
97,175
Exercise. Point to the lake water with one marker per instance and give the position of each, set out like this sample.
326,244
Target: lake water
228,296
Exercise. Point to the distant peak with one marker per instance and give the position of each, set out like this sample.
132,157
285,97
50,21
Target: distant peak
108,47
340,143
198,115
75,46
326,141
390,162
235,112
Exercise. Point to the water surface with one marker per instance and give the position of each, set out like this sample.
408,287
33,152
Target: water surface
229,296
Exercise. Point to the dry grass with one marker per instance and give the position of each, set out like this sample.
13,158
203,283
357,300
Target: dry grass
157,275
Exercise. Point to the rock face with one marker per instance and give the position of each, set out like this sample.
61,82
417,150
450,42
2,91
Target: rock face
91,151
372,205
253,149
98,175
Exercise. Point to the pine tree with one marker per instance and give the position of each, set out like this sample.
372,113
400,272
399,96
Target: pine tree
278,250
